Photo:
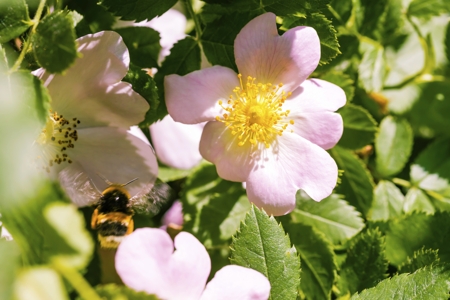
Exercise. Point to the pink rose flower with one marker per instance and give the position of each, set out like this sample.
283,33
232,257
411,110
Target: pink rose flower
269,126
146,261
86,133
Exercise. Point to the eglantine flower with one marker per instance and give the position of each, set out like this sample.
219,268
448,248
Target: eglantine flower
85,137
269,125
146,261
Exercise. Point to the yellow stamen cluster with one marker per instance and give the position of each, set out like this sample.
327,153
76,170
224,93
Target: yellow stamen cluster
58,135
254,114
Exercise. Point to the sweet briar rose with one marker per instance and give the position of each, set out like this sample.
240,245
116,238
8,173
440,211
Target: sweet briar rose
269,125
86,130
146,261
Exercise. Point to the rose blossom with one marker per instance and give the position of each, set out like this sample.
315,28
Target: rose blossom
85,136
146,261
269,125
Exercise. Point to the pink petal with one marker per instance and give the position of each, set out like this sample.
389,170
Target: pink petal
137,132
194,98
316,95
115,105
293,164
91,89
219,146
321,128
174,215
142,260
176,144
289,59
145,261
117,156
104,60
312,107
190,267
236,282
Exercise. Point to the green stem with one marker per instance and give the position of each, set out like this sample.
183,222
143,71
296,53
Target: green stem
26,45
83,288
429,61
198,29
435,195
428,65
401,182
335,14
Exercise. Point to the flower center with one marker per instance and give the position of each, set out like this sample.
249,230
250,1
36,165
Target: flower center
254,114
58,135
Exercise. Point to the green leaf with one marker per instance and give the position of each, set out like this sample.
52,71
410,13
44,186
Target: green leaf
317,257
329,45
429,113
69,224
342,8
15,19
426,9
447,42
138,10
115,292
337,220
146,87
95,17
242,5
417,200
391,26
380,20
393,145
387,202
416,231
213,208
278,7
218,38
143,45
54,42
170,174
342,80
427,283
368,15
357,183
372,69
184,58
39,283
262,245
23,216
400,101
359,127
290,8
431,169
10,258
365,264
221,217
420,259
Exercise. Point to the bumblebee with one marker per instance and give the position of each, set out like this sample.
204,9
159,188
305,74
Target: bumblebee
113,214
